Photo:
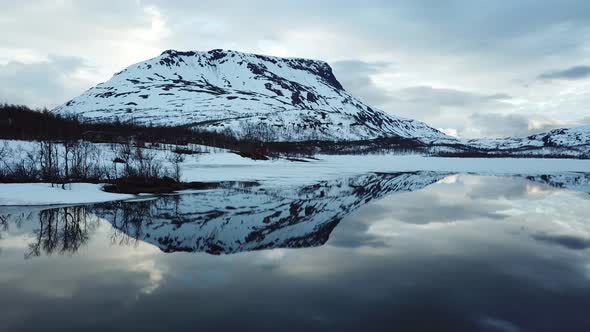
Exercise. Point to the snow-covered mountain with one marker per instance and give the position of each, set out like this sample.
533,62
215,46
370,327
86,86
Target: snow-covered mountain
574,142
278,99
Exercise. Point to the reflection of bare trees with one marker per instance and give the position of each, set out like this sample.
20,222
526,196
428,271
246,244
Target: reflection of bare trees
62,230
129,219
3,226
126,218
65,230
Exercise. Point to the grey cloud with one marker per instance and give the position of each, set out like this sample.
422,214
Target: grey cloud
573,73
355,76
515,125
448,97
43,83
445,107
455,26
499,125
482,26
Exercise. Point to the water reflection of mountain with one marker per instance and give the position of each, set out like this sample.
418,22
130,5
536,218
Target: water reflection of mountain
236,220
226,221
574,181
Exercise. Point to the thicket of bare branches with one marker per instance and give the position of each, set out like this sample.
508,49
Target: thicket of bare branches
80,161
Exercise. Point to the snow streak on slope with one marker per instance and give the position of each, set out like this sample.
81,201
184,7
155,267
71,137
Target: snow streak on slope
280,99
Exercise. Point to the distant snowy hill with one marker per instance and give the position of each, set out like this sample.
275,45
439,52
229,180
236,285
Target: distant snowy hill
573,142
280,99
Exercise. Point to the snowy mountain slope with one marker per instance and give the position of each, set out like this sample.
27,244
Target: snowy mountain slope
225,222
280,99
572,141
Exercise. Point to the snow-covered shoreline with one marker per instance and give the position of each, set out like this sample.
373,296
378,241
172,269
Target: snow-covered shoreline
29,194
222,165
227,166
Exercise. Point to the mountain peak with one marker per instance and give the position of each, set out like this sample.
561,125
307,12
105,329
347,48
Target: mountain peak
257,62
285,99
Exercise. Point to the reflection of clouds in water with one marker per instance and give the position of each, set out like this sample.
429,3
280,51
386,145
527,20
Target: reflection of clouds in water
574,242
499,325
497,187
430,206
451,179
477,203
96,260
481,219
18,241
538,191
353,231
270,259
155,274
562,212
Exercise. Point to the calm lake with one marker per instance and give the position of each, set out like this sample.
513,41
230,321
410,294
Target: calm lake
413,251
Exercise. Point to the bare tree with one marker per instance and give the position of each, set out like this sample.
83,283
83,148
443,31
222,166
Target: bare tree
48,156
147,165
82,155
68,147
176,159
124,155
5,168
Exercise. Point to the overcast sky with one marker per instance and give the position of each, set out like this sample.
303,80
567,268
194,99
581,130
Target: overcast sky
469,67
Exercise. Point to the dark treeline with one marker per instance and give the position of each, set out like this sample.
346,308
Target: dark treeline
22,123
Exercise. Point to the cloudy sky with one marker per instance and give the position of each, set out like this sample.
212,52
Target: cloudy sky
469,67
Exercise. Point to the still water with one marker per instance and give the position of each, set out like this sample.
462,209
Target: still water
416,251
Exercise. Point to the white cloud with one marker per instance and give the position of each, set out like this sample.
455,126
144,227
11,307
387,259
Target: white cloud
157,29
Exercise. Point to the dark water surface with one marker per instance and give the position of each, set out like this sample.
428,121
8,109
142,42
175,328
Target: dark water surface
417,251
